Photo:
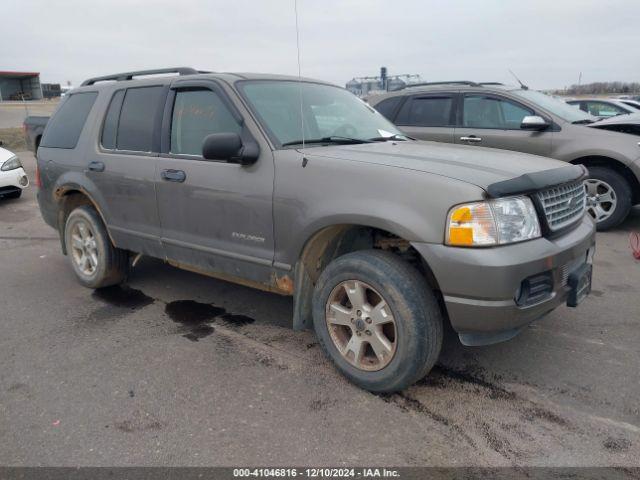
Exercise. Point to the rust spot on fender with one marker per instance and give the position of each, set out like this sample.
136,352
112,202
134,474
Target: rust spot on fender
285,284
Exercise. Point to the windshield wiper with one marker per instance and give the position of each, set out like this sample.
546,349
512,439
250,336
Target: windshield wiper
331,139
402,138
585,121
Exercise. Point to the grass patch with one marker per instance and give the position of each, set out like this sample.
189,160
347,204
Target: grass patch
13,139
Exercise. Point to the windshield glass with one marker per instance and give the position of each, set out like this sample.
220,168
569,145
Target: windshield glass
327,112
569,113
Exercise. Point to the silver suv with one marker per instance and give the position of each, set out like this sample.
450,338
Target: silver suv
297,187
517,118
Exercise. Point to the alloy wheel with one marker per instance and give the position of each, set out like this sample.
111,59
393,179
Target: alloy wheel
601,199
361,325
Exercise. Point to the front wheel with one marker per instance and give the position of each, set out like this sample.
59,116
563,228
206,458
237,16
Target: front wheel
377,319
95,261
608,197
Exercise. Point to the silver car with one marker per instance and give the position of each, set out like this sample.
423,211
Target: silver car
524,120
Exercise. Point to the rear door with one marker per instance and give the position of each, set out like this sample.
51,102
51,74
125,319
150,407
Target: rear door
215,216
429,117
489,120
123,167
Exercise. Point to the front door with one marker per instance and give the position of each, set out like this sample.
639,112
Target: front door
488,120
215,216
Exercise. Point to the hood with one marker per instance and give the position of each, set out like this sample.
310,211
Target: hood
5,155
480,166
628,119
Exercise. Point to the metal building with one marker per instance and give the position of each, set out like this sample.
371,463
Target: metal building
20,86
363,86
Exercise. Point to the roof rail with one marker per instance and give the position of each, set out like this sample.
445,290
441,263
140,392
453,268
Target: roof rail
491,83
120,77
452,82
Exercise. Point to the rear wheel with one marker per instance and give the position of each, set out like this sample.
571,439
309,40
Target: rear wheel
377,319
608,197
95,261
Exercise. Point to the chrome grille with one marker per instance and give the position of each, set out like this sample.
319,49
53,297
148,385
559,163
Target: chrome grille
564,204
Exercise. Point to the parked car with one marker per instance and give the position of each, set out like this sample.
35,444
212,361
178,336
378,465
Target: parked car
604,107
516,118
622,123
296,186
632,103
33,128
13,179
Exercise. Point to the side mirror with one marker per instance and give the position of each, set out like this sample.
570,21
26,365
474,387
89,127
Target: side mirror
229,147
534,122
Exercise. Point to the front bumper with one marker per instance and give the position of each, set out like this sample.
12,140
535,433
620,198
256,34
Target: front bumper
13,180
480,285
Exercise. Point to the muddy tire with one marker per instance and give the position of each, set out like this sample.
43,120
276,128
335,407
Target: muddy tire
377,319
95,261
608,197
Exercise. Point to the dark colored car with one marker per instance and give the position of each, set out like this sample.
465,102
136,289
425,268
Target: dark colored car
297,187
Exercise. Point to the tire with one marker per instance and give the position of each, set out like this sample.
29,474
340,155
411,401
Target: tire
103,265
414,309
603,178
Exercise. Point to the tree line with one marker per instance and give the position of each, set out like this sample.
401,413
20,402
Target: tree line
601,87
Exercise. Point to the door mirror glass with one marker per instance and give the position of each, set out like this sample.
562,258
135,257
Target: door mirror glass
533,122
229,147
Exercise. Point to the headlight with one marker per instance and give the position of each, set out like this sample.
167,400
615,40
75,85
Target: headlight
11,164
494,222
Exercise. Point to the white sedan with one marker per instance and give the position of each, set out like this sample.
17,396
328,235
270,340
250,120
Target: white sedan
12,176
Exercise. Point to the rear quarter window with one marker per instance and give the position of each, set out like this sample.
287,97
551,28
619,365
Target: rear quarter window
389,106
66,125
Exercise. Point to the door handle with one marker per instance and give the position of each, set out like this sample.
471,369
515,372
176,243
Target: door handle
471,138
173,175
96,166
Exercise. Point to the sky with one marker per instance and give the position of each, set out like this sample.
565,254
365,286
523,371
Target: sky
546,43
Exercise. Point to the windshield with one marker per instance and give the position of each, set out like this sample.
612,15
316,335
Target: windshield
328,112
557,107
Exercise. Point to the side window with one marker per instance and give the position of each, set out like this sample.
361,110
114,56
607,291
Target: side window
63,130
110,126
432,111
490,112
196,114
602,109
388,107
137,118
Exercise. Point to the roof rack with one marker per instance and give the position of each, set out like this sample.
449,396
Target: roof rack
120,77
452,82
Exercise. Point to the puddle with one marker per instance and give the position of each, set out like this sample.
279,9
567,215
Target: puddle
123,297
194,317
237,319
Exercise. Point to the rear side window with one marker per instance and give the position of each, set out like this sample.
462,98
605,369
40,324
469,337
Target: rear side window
66,125
196,114
427,112
388,107
110,127
137,119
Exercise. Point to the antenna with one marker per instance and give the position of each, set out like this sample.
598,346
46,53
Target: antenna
295,9
524,87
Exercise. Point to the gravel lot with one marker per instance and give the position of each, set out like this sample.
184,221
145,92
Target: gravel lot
180,369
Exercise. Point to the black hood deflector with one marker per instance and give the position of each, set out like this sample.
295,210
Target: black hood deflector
535,181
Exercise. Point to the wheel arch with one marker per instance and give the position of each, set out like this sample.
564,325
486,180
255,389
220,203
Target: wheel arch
615,165
69,197
333,241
